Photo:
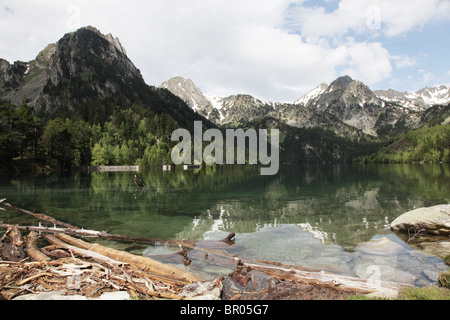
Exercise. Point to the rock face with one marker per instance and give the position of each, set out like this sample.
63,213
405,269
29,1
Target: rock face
186,90
352,102
433,220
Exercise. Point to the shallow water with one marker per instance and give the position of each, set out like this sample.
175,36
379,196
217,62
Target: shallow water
332,218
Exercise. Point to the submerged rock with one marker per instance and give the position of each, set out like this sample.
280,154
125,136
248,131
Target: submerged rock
381,247
440,248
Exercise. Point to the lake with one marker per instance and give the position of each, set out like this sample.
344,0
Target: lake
332,217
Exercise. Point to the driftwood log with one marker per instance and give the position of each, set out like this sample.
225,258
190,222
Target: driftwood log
314,277
32,248
80,251
144,263
80,232
84,233
41,216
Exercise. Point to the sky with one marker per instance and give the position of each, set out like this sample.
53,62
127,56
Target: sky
274,50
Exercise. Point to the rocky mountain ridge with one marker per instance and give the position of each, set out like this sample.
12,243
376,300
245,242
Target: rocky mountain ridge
419,100
347,106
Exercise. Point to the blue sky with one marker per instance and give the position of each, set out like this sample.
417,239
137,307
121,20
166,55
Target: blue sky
275,50
429,48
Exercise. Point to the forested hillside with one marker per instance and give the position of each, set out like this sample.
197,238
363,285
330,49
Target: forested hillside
130,136
429,144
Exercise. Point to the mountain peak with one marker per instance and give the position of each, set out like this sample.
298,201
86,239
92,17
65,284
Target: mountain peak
189,93
341,82
82,65
108,37
83,71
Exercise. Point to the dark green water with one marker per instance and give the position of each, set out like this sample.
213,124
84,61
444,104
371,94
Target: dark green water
333,218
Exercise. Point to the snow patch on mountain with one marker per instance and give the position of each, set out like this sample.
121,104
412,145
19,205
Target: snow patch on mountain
419,100
312,96
432,96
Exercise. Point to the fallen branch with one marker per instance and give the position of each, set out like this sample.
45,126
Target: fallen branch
77,232
21,283
70,231
40,216
80,232
83,252
144,263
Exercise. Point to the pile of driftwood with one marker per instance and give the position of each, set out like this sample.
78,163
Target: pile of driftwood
54,258
50,259
61,266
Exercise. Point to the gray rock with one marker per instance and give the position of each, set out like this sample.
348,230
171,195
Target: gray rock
439,249
433,220
428,227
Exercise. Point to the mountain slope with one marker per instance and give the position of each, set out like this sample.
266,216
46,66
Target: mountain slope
82,70
189,93
351,102
428,144
312,96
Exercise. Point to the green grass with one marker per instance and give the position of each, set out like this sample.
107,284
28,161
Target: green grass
425,293
414,293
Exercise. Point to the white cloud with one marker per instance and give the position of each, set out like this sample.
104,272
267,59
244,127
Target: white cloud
392,18
404,61
426,76
368,62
